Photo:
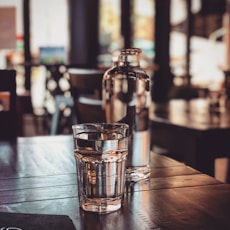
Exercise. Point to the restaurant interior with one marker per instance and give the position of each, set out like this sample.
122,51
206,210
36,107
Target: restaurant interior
184,43
185,49
55,58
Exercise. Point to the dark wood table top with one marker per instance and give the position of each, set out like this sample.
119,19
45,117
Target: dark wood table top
193,114
38,175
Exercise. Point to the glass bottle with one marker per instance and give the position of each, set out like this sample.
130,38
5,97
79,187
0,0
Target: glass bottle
126,98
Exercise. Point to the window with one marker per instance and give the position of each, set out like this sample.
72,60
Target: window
49,25
207,57
143,26
142,23
109,30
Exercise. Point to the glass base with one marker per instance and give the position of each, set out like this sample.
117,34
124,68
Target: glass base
135,174
101,205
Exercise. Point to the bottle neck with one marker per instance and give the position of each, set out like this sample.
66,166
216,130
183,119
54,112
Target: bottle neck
128,60
129,57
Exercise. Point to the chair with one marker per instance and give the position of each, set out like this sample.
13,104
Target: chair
8,115
61,100
86,89
58,100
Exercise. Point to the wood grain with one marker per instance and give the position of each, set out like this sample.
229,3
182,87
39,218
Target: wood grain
38,175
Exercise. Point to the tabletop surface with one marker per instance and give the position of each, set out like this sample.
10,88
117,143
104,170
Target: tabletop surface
193,114
38,176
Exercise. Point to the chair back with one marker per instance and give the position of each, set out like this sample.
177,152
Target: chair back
86,89
8,115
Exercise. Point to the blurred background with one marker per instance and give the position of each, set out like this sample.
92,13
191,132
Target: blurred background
49,26
183,41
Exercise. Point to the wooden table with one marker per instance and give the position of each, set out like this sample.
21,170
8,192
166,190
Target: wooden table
188,129
38,175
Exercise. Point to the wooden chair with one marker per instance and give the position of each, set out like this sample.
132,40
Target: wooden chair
8,115
86,89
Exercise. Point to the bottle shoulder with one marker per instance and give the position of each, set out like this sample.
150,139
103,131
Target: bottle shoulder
126,71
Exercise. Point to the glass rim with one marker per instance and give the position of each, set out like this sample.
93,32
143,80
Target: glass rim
100,124
96,130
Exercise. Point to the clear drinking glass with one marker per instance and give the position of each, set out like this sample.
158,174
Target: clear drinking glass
100,151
